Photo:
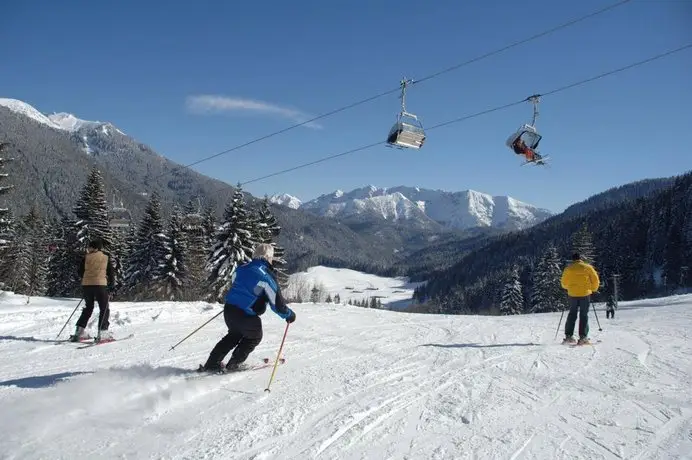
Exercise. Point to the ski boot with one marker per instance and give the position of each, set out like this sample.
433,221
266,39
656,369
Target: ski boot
79,335
584,341
104,336
569,341
211,367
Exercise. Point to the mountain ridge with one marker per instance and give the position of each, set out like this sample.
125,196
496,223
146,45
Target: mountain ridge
428,207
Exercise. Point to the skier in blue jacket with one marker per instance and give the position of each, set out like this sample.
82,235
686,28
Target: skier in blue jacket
253,287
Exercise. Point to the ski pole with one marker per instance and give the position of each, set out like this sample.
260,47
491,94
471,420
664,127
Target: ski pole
190,334
558,324
278,355
68,319
597,321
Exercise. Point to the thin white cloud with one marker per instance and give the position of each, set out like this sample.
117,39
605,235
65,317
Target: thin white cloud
213,104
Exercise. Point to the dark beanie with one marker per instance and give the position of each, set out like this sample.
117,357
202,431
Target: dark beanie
576,256
96,243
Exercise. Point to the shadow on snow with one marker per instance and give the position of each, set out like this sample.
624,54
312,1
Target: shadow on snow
41,381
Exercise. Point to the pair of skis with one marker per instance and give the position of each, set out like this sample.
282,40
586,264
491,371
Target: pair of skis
91,342
264,363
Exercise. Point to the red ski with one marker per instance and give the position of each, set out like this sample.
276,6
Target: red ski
92,344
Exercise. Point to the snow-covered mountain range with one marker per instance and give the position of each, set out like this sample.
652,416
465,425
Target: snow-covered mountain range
454,210
90,134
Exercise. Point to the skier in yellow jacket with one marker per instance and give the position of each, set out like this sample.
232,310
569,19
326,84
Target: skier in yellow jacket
580,280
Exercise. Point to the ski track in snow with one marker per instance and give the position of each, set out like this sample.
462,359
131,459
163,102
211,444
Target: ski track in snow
357,384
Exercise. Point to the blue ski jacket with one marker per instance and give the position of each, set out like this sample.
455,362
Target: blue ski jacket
253,287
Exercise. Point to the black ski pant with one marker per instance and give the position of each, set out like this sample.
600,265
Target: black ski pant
100,295
578,305
244,334
610,314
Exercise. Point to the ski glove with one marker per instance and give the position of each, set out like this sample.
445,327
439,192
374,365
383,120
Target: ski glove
291,317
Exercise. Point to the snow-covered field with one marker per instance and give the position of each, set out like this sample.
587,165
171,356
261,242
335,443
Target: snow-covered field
358,384
394,293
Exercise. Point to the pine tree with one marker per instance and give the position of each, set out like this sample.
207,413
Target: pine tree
209,225
63,279
92,213
233,246
268,230
328,299
582,242
118,254
314,294
547,294
147,252
15,263
5,214
172,278
36,236
193,226
512,302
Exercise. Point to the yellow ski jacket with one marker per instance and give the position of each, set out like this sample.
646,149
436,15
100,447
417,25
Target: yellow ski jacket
580,279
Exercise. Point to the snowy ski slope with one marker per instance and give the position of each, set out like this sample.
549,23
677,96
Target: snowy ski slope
357,384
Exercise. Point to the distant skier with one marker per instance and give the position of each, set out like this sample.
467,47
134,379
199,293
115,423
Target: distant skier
98,276
254,285
610,307
580,280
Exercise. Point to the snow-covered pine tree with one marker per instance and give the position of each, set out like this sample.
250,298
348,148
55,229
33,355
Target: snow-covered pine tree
582,242
37,240
233,246
209,224
15,264
92,213
512,302
63,279
118,253
314,294
5,214
147,252
172,278
268,230
195,241
547,294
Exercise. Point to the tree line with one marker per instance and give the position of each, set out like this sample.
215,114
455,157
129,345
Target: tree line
189,257
646,241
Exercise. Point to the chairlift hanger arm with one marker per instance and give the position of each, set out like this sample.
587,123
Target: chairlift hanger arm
534,99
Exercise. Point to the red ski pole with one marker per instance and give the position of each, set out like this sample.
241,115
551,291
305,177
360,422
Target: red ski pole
276,363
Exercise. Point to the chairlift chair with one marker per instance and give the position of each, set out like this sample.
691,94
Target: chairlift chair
409,133
526,133
119,217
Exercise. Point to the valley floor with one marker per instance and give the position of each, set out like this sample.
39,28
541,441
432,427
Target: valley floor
357,384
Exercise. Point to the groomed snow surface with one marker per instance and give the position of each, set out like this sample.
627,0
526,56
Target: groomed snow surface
358,384
351,285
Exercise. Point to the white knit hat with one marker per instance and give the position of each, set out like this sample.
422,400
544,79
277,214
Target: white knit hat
264,251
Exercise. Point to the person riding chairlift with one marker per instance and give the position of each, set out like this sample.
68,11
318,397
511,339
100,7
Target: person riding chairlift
520,148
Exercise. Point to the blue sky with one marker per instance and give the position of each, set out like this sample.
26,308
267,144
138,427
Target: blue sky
145,65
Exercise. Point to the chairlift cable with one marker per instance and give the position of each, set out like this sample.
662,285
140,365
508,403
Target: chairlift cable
391,91
468,117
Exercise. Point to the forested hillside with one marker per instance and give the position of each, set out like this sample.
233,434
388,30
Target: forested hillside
50,166
647,241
